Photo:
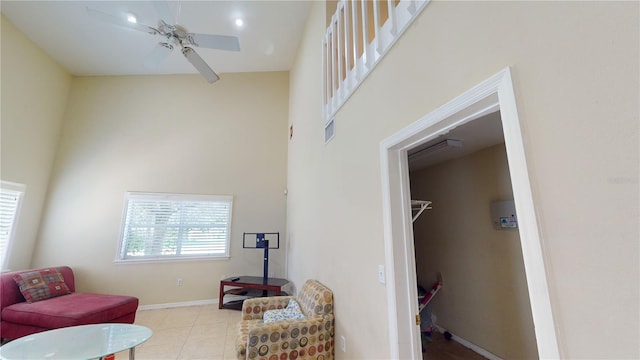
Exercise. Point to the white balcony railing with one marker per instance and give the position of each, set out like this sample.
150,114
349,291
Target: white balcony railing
359,35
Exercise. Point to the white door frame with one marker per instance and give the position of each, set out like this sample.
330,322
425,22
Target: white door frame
495,93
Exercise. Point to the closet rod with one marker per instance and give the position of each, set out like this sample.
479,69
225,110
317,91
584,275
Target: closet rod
420,206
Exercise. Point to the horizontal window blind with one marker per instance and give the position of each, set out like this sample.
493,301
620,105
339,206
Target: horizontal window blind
175,226
10,198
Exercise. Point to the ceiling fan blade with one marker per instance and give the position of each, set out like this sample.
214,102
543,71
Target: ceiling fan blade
158,54
221,42
164,12
120,21
200,65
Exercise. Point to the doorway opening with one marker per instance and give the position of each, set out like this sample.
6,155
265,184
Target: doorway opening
475,260
492,95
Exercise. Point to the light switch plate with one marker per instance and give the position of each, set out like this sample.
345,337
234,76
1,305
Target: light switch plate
381,274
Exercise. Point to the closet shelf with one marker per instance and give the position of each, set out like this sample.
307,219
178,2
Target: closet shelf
419,206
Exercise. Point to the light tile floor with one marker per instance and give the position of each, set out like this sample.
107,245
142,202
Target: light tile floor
205,332
195,332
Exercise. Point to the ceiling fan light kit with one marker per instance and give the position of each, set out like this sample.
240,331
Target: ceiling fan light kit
174,35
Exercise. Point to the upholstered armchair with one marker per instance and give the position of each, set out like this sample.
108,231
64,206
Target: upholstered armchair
311,337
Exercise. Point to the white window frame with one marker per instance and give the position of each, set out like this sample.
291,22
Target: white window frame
122,257
11,216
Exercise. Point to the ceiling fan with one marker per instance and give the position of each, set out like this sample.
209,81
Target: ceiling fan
174,35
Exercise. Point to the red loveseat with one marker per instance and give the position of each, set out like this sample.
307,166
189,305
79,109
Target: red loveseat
19,318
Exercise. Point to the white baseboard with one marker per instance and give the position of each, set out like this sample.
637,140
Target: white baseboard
179,304
191,303
469,345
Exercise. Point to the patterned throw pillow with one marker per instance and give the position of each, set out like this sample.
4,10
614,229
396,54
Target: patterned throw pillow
41,284
292,311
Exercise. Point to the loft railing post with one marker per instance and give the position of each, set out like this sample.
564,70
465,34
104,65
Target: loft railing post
334,82
356,46
392,17
346,51
412,7
340,44
376,28
365,42
325,91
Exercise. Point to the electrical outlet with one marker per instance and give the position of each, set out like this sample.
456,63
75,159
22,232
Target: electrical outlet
343,344
179,282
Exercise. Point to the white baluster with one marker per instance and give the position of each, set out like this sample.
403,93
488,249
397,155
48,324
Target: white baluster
348,61
365,44
412,7
336,68
332,49
356,46
392,17
340,44
325,74
376,28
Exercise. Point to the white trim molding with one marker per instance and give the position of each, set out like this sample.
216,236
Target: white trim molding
12,198
495,93
178,304
468,344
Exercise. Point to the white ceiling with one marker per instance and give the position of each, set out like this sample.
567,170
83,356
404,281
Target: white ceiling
87,46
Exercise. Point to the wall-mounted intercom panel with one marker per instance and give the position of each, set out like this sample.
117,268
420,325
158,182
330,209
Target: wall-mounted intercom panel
503,215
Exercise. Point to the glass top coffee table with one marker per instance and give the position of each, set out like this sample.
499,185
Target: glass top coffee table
77,342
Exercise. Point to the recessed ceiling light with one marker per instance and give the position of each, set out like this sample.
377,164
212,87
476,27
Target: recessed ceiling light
239,22
132,19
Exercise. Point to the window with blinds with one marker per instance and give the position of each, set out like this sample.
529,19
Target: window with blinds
175,226
10,199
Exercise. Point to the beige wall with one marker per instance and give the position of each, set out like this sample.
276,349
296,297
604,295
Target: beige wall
34,96
485,298
575,70
166,134
576,81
